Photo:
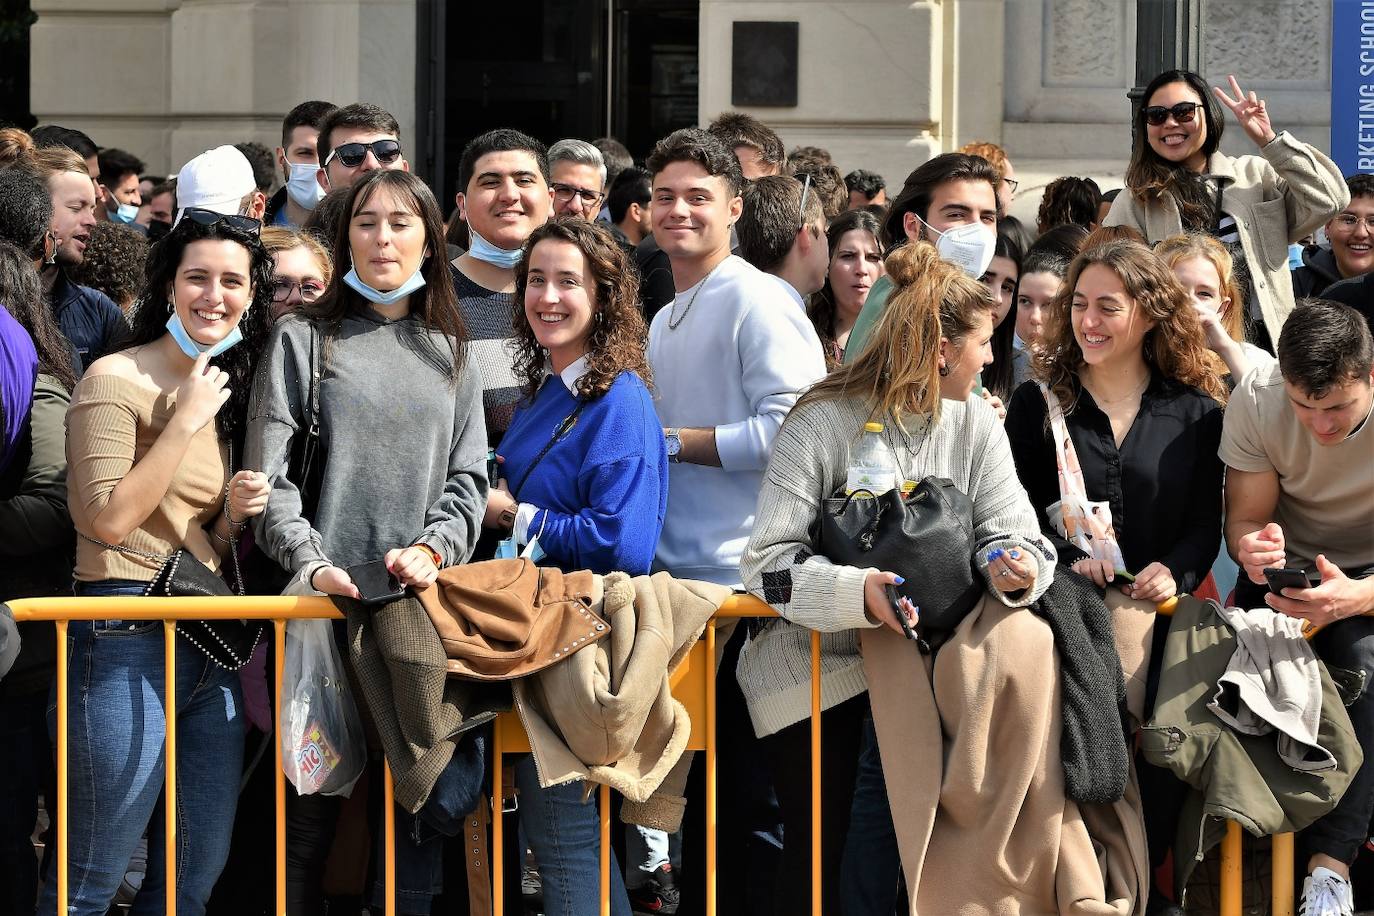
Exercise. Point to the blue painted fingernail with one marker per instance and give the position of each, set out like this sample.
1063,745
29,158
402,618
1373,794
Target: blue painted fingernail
898,580
994,554
1015,554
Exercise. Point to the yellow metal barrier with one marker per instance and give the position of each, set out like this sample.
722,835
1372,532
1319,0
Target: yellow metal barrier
508,738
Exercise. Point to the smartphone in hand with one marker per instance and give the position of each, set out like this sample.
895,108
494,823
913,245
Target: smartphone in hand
1281,578
376,585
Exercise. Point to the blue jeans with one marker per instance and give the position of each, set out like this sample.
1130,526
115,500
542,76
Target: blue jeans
870,873
115,764
565,834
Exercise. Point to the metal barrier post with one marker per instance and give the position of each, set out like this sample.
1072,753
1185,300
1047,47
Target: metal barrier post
816,860
169,758
1230,871
389,837
279,631
711,768
1281,879
61,766
604,799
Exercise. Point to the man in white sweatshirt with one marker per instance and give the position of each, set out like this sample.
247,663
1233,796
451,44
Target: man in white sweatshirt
730,356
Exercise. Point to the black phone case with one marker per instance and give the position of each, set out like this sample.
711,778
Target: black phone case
375,583
1279,579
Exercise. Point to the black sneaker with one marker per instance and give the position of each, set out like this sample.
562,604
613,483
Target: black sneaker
658,894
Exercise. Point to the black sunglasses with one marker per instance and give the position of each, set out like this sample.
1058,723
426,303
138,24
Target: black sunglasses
353,154
1183,112
205,217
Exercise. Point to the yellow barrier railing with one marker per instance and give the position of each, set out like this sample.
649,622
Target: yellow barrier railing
280,609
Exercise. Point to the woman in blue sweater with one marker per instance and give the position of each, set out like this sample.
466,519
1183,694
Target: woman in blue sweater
584,477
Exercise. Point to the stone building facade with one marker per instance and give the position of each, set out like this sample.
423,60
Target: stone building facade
883,84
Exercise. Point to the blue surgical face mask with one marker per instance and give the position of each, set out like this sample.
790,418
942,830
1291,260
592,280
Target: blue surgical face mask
194,348
302,187
376,296
483,250
125,214
1295,256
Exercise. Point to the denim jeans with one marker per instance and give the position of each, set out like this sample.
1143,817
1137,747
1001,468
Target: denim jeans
565,834
870,874
115,764
26,771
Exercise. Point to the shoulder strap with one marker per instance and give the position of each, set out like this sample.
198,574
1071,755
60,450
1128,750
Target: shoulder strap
559,432
1066,456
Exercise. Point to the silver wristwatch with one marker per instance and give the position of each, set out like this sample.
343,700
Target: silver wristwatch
674,443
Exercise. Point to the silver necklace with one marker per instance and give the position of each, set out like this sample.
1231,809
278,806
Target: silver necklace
674,322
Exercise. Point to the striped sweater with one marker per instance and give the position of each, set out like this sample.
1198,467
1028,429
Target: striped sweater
489,317
809,463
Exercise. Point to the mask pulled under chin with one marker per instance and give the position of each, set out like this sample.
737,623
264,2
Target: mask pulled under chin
193,348
483,250
376,296
969,247
126,214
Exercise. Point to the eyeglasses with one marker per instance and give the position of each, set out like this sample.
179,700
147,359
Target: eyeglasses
1011,183
806,192
353,154
310,289
1350,222
204,217
1183,113
565,192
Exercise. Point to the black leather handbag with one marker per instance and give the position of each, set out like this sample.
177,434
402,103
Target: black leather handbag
926,538
227,643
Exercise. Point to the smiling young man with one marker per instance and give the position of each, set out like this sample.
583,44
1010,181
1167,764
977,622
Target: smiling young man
503,196
88,318
1351,249
1299,449
730,354
298,159
951,191
119,173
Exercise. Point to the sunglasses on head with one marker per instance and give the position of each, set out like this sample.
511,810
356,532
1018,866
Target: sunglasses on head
1183,112
353,154
206,217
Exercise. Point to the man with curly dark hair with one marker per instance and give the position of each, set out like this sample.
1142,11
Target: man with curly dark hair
115,256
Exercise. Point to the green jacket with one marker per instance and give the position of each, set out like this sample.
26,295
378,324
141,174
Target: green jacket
1235,777
868,318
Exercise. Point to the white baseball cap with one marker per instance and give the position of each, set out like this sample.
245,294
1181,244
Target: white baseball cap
217,179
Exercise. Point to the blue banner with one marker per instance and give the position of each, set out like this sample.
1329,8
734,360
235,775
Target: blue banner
1352,85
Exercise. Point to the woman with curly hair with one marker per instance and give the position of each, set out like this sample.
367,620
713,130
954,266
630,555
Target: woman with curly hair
1125,410
592,495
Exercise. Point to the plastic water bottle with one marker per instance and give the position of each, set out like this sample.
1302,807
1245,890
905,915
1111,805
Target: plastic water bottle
872,466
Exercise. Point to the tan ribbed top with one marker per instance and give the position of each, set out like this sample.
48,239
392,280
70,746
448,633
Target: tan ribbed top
112,423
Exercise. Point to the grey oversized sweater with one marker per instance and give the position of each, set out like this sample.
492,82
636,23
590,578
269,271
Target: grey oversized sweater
809,463
404,449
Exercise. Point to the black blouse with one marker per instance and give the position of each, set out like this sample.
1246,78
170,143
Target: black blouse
1163,484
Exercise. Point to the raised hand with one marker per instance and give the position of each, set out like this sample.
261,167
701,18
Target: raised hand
1249,110
202,394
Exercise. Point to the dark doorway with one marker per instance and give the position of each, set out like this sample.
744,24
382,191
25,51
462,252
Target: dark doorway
656,71
554,69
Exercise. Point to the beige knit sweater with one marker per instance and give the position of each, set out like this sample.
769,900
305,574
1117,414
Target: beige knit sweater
809,463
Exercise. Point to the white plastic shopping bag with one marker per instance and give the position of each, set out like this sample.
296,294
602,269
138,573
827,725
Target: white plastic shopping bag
322,745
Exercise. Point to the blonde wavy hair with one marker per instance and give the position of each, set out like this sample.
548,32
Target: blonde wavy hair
277,239
897,374
1175,345
1189,245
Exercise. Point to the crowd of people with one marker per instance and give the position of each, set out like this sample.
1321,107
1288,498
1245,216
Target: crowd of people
608,367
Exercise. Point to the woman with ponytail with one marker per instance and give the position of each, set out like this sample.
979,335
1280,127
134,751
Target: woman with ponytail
933,334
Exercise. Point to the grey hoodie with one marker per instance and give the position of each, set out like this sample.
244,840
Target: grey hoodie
404,449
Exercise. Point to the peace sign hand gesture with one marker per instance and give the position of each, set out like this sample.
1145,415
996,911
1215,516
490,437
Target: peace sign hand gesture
1249,111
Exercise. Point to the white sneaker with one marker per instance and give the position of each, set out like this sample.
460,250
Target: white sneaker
1325,893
